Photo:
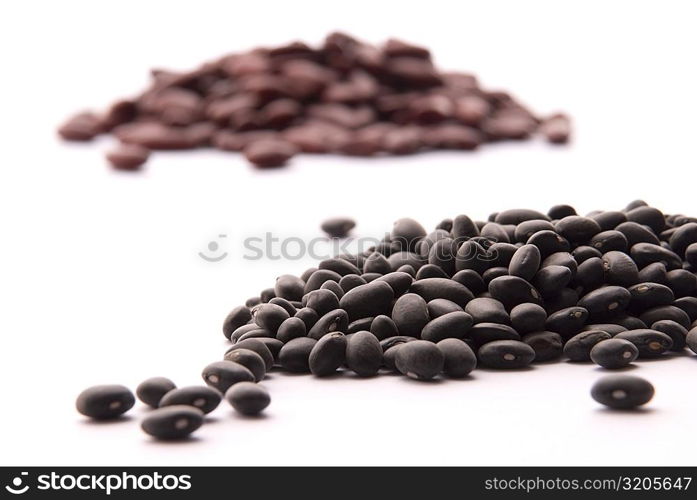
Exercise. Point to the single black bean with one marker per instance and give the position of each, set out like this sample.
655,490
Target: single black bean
248,398
610,328
549,242
674,330
471,280
607,241
502,253
430,271
289,287
620,269
363,354
518,215
547,345
482,333
369,300
551,279
568,297
512,290
328,354
525,262
243,330
564,259
442,254
383,327
494,232
269,316
202,397
339,266
333,287
399,259
252,301
567,322
487,310
406,268
451,325
691,339
334,321
683,238
578,347
308,316
509,354
577,229
338,227
266,295
410,314
273,345
458,358
421,360
322,301
650,316
644,254
150,391
102,402
463,228
388,357
407,232
689,305
376,263
636,233
654,273
359,324
682,282
628,322
614,353
527,318
295,354
648,216
648,295
560,211
605,301
172,422
622,392
238,317
351,281
399,281
583,253
257,346
609,220
306,275
650,343
290,329
590,275
223,374
525,230
472,255
318,278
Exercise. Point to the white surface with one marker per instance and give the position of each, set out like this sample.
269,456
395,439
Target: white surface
100,279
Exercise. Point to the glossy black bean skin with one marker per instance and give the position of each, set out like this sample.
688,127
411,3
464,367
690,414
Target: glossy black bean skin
675,331
512,290
103,402
551,279
420,360
367,300
620,269
399,281
590,275
328,354
295,354
458,358
318,278
223,374
578,347
650,316
650,343
172,422
614,353
560,211
289,287
322,301
285,304
439,307
340,266
269,316
483,333
609,220
351,281
250,360
442,288
363,354
407,232
644,254
564,259
518,215
202,397
259,347
622,392
525,262
647,216
689,305
547,345
636,233
549,242
583,253
648,295
238,317
691,339
248,398
410,314
471,280
273,345
683,238
605,300
528,318
430,271
682,282
150,391
290,329
506,354
567,322
607,241
451,325
487,310
334,321
577,229
308,316
376,263
383,327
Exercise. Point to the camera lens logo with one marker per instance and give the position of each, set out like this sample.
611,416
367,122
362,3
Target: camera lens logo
213,248
17,488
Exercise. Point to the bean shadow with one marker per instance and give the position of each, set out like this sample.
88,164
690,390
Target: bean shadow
188,440
628,411
122,419
627,368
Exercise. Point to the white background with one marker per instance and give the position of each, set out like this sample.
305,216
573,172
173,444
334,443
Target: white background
100,281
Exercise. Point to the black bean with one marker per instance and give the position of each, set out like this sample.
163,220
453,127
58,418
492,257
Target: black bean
463,228
644,254
622,392
322,301
318,278
420,359
510,354
458,358
406,268
172,422
605,301
636,233
269,316
547,345
487,310
290,329
609,220
650,343
306,275
549,242
648,295
650,316
351,281
223,374
607,241
551,279
369,300
527,318
285,304
567,322
564,259
568,297
257,346
590,275
442,254
339,266
150,391
691,339
273,345
577,229
525,230
242,330
266,295
614,353
620,269
289,287
383,327
202,397
451,325
482,333
334,321
399,281
654,273
628,322
583,253
471,280
518,215
494,232
295,354
512,290
578,347
359,324
249,359
682,282
430,271
363,354
102,402
502,253
610,328
683,238
689,305
647,216
472,255
675,331
248,398
560,211
399,259
333,287
388,357
338,227
407,232
328,354
376,263
445,224
525,262
410,314
238,317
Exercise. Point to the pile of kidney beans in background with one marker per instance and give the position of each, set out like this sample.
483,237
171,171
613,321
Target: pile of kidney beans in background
345,97
523,287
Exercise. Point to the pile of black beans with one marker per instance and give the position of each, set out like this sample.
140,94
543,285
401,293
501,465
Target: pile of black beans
523,287
344,97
